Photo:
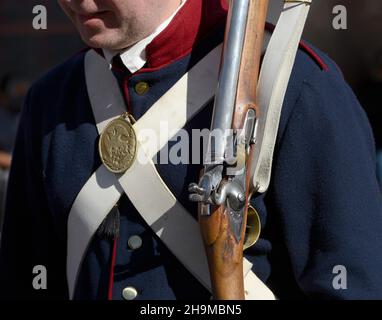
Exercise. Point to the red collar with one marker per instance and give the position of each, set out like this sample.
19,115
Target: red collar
191,24
194,21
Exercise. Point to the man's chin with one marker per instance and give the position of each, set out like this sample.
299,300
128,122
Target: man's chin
100,41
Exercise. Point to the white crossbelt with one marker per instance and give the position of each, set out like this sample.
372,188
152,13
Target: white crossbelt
165,215
273,82
142,183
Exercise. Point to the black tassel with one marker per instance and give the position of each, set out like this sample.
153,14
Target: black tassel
109,227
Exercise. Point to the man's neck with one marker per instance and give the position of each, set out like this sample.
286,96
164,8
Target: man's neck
134,57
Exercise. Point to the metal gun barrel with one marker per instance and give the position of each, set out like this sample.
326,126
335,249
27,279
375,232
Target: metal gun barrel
228,81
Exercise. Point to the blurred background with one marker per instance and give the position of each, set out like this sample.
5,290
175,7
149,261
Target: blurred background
27,53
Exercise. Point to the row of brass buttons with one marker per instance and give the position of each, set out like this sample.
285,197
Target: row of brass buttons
134,243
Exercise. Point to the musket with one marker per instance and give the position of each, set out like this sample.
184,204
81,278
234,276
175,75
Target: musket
224,189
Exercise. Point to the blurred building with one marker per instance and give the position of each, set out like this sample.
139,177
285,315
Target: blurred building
29,51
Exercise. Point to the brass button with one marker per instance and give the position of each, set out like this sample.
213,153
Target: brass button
129,293
135,242
142,88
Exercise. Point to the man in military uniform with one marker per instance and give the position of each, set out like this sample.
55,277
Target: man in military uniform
323,207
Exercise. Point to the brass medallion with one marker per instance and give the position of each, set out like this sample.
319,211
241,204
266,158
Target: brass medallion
118,144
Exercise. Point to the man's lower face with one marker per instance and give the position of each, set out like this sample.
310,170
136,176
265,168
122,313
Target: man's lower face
96,29
117,24
96,22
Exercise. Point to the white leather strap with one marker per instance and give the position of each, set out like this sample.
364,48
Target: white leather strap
273,82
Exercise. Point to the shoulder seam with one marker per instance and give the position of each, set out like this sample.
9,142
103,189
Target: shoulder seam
308,50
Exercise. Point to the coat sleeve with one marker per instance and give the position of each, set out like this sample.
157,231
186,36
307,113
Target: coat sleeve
28,238
325,193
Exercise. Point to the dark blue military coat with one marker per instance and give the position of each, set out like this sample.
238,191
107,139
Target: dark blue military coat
323,207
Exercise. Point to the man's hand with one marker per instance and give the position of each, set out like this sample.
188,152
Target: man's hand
5,160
